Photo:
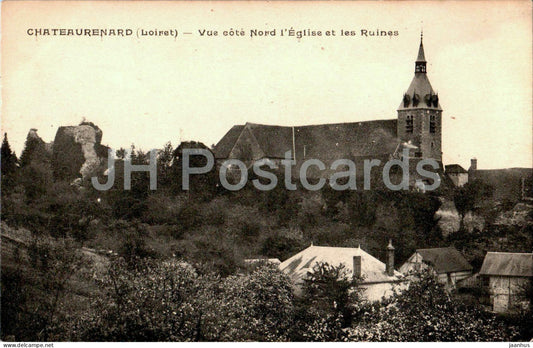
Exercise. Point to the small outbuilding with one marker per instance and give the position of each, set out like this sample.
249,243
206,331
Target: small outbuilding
505,276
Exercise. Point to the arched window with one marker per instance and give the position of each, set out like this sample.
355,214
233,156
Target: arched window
409,124
432,124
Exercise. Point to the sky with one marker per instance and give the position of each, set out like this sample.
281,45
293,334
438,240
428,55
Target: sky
149,90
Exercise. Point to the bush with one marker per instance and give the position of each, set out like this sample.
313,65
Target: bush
162,209
170,301
425,311
33,291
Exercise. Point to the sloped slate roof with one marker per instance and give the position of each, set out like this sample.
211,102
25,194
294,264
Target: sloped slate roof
223,147
373,270
273,140
455,169
325,142
508,264
421,56
345,140
445,260
421,86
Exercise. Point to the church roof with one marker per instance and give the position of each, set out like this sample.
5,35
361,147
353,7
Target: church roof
274,141
326,142
347,140
372,270
223,147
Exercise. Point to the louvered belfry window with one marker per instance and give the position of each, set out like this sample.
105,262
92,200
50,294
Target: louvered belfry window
409,124
432,124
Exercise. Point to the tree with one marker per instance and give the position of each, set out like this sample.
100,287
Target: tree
36,171
253,307
121,153
8,166
36,178
148,302
202,187
330,300
468,196
164,166
34,150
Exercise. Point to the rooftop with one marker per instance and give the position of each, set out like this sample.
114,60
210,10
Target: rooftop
444,260
372,269
508,264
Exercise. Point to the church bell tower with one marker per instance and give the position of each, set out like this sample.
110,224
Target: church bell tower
420,114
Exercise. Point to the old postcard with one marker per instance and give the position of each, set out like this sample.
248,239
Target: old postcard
266,171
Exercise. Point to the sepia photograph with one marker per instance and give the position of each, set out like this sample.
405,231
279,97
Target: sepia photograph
266,171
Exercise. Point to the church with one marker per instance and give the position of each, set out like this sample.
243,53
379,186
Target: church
417,127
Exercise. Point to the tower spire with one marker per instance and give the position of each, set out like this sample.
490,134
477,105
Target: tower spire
420,64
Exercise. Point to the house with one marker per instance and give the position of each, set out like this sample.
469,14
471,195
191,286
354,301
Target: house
417,128
457,174
505,276
448,263
378,279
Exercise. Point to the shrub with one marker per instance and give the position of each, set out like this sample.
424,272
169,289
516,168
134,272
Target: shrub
170,301
425,311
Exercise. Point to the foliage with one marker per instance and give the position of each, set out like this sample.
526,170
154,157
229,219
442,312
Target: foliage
33,291
469,195
425,311
213,252
169,301
201,186
35,178
146,297
34,151
164,167
133,242
524,317
162,208
330,301
280,246
253,307
8,167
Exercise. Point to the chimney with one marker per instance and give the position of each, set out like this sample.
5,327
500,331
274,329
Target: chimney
356,266
473,164
390,259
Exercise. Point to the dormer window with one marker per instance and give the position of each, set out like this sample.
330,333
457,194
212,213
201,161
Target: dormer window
409,124
432,124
